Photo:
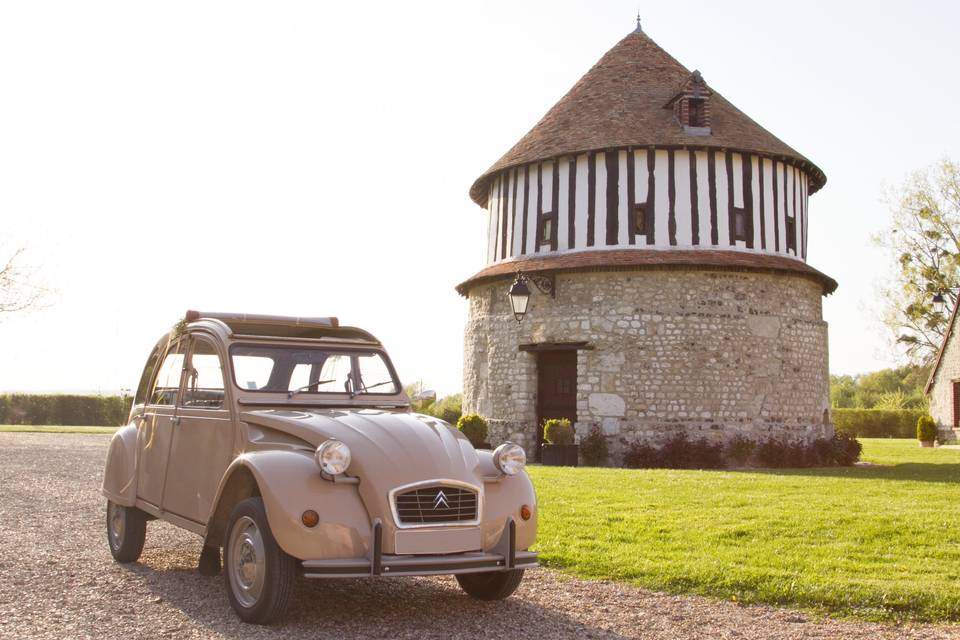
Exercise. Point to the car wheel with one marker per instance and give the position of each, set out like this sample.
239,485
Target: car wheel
259,576
126,532
491,585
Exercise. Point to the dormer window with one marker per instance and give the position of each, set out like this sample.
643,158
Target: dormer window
691,106
696,112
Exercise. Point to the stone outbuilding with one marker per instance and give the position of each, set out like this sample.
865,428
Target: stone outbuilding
943,386
664,237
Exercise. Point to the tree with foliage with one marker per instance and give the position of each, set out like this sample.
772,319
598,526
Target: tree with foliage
900,388
19,288
924,239
449,408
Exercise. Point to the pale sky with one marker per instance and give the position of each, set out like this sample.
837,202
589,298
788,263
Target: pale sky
314,158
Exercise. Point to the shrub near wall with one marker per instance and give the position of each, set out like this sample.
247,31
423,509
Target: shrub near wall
69,410
877,423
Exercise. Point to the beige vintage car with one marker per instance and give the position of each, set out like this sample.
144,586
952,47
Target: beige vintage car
290,444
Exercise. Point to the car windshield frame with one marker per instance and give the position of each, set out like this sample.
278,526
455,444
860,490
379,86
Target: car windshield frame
351,350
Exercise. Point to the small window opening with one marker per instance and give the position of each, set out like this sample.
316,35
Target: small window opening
640,218
696,113
547,222
792,235
739,223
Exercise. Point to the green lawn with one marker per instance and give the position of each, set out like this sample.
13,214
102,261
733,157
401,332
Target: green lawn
32,428
873,542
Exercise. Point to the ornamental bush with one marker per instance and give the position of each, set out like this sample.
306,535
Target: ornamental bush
772,453
926,429
594,448
846,449
738,450
474,427
558,431
639,455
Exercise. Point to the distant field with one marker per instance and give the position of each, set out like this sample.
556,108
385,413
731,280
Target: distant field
30,428
878,542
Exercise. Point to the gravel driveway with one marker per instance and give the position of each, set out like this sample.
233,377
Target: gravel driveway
57,580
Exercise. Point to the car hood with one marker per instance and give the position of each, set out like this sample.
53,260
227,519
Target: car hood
389,450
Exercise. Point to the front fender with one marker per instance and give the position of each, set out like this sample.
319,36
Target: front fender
120,473
502,499
290,483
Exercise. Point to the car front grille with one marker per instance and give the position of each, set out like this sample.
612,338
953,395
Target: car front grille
436,505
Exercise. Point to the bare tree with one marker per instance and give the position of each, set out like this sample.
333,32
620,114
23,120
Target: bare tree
924,241
20,289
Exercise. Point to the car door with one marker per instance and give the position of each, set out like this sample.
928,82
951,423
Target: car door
203,438
155,427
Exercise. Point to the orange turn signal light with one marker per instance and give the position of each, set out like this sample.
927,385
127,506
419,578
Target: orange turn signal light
525,512
310,518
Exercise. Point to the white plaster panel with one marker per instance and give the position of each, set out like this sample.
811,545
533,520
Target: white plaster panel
607,404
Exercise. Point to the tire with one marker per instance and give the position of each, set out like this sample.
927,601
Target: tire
126,532
491,585
259,577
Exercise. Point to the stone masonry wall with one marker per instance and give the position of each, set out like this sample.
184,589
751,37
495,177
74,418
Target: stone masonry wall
941,392
711,353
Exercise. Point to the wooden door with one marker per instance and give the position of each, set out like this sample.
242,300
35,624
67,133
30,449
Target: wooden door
556,388
956,404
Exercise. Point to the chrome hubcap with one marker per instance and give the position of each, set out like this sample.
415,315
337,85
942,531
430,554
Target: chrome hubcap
116,521
246,562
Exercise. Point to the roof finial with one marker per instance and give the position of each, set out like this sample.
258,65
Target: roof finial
638,29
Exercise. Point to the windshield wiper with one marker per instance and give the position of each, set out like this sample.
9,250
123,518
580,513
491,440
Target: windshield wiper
374,386
315,383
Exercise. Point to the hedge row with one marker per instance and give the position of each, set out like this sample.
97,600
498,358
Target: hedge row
679,452
23,408
877,423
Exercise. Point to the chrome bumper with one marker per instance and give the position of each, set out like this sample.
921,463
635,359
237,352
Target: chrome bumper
503,557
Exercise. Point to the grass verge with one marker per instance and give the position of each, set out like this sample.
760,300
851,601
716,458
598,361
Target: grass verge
876,542
37,428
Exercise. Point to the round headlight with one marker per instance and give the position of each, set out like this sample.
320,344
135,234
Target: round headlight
333,457
509,458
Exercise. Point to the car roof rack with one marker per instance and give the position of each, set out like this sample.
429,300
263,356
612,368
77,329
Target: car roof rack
269,326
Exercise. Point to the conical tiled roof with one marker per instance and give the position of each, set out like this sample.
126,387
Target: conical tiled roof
621,102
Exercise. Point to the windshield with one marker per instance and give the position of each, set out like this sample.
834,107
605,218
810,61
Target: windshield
311,370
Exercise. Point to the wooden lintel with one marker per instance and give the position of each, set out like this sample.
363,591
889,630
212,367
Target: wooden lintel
556,346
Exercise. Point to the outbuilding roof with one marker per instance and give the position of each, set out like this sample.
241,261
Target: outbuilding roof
622,102
638,259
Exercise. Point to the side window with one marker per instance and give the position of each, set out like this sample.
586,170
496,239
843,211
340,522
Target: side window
204,377
148,370
167,384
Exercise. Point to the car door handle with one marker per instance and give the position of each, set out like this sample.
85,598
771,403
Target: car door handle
176,421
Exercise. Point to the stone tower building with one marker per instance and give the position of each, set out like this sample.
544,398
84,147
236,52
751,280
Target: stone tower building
667,233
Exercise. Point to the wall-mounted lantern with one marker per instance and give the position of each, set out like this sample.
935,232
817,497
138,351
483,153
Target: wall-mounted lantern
940,303
519,292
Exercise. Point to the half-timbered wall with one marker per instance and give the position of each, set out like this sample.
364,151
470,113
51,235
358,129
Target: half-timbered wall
589,202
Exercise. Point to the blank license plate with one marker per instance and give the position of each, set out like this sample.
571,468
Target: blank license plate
437,541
